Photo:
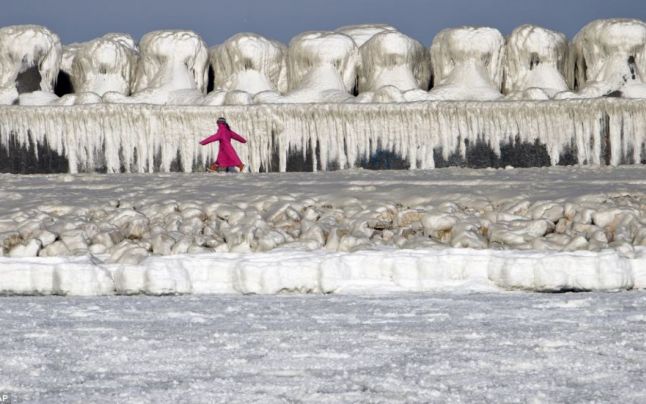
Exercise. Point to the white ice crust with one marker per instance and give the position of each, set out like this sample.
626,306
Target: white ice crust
321,67
320,272
361,33
135,136
23,47
609,56
467,64
250,63
373,61
392,59
545,229
535,63
172,68
106,64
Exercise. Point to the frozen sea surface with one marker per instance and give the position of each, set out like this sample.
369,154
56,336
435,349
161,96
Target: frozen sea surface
502,347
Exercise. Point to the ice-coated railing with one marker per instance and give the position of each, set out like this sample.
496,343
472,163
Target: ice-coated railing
143,138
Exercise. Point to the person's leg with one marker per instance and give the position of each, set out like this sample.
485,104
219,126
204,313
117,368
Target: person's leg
231,169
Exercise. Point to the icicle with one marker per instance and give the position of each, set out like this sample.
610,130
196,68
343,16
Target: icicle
134,136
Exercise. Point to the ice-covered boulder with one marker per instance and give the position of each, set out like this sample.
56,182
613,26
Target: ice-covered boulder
30,57
392,59
535,61
105,64
170,63
608,57
321,67
249,63
467,64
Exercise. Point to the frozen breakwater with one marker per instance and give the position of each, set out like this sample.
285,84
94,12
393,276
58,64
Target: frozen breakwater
544,229
149,138
321,272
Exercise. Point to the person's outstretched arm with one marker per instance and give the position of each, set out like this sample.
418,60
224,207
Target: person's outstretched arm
237,137
213,138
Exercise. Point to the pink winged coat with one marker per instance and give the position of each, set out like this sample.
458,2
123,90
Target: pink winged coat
227,156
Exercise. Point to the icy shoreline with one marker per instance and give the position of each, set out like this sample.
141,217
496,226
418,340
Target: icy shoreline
547,229
320,272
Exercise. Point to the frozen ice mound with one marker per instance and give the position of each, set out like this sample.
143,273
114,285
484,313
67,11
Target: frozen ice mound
608,57
535,63
467,64
170,65
251,63
103,65
320,272
374,62
30,57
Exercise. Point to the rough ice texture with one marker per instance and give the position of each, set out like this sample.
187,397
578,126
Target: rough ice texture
361,33
609,56
172,67
467,64
106,64
249,62
319,272
393,59
535,63
415,348
321,67
32,50
135,136
606,58
548,229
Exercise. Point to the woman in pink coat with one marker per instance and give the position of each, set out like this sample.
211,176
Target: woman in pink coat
227,156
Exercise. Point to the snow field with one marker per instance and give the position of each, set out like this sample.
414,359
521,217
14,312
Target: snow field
535,229
437,348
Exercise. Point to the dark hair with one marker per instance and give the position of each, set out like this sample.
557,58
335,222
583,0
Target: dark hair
221,120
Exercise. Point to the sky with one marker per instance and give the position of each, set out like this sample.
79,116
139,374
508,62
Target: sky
216,20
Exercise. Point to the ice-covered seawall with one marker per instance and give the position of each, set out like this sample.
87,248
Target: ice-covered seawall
147,138
335,97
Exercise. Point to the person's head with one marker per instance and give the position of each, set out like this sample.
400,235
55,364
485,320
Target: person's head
222,121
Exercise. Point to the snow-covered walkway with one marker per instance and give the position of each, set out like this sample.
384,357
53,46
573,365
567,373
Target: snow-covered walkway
502,347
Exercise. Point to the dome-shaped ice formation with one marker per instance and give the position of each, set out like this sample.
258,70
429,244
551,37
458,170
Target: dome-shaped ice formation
467,64
321,66
30,57
170,61
249,62
608,57
393,59
105,64
535,58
